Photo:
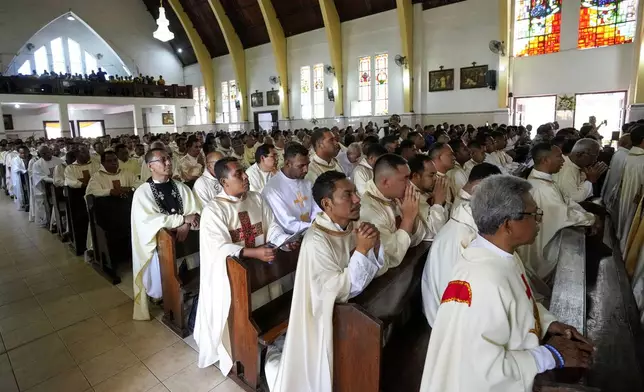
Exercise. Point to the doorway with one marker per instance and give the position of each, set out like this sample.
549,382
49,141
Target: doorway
266,121
534,111
607,107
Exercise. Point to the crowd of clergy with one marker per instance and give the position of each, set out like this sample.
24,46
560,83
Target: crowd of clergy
492,200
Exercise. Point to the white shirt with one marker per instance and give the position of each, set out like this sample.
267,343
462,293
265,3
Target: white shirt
291,201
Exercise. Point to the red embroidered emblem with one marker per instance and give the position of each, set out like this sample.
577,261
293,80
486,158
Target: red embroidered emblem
458,291
248,232
528,291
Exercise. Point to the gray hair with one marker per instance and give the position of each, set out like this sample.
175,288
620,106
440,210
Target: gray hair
497,199
355,147
586,145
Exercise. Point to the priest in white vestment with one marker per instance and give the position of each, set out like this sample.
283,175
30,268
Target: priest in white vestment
449,243
632,185
613,180
42,173
8,159
77,174
20,165
443,159
338,260
391,203
477,152
349,158
207,187
191,165
288,193
326,148
223,146
580,171
559,212
279,141
264,168
457,175
363,172
125,162
145,170
489,330
236,223
432,192
111,180
160,203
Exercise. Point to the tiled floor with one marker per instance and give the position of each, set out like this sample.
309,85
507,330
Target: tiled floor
63,328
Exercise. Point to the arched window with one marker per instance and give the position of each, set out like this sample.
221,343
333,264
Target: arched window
90,63
75,57
40,58
25,68
58,56
537,27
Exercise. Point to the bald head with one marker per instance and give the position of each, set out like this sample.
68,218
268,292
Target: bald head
391,175
585,152
625,141
211,160
157,144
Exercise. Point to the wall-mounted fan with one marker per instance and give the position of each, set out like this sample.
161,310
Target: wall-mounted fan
274,80
329,70
400,61
99,56
29,46
497,47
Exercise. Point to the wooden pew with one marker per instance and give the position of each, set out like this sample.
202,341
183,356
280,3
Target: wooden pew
252,331
109,222
77,218
381,326
179,286
59,210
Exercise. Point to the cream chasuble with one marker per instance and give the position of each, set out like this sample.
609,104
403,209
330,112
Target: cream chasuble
103,182
258,178
291,201
226,152
630,193
17,167
206,188
468,166
8,159
228,225
559,212
323,277
42,173
610,189
572,182
494,160
446,250
457,177
433,216
280,157
362,174
189,167
385,215
345,164
59,174
487,322
319,166
75,172
148,217
461,198
131,165
634,259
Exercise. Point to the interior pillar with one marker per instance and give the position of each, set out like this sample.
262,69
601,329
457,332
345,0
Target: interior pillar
278,42
137,112
63,115
334,38
237,53
406,23
202,54
505,29
637,84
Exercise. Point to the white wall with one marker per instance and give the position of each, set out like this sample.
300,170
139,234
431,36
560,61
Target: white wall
125,25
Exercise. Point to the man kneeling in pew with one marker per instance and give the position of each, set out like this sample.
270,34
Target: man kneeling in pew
236,223
338,259
490,333
160,203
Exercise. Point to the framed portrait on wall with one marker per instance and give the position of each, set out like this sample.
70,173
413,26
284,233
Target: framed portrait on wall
257,99
167,118
8,122
272,98
473,77
441,80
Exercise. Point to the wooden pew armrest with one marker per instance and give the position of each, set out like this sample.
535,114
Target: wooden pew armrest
270,336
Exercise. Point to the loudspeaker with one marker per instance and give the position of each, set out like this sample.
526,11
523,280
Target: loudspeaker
490,79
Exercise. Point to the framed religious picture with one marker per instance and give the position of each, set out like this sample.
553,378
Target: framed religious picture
473,77
441,80
8,122
257,99
272,98
167,118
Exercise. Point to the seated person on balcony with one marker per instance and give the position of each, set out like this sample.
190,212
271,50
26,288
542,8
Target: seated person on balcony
161,82
101,75
93,77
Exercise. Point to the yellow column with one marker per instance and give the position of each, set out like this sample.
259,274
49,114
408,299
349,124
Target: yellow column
237,53
638,90
203,57
505,25
278,42
406,23
334,37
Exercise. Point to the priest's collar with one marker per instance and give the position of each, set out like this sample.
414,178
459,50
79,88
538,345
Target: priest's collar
280,173
539,175
439,174
323,223
423,194
160,182
82,164
231,199
322,162
481,242
569,161
636,151
464,195
363,162
102,170
206,173
373,192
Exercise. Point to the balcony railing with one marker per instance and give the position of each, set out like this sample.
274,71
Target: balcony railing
41,86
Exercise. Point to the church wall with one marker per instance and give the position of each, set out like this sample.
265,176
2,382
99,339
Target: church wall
125,25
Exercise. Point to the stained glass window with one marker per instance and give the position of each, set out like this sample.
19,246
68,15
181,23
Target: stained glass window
318,90
382,84
364,86
606,22
225,102
232,88
40,58
537,27
305,92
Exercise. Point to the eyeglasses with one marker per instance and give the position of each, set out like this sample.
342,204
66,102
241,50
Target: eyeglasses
538,215
163,161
